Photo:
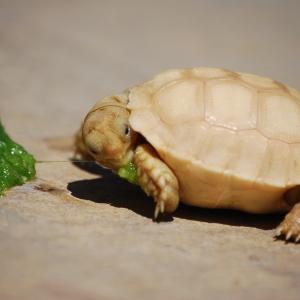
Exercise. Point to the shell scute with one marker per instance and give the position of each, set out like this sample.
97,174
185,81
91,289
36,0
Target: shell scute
161,79
180,102
205,74
191,143
259,83
275,168
278,117
246,160
216,150
294,165
138,116
230,104
141,96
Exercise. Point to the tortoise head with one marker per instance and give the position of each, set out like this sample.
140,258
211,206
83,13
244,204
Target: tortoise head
107,134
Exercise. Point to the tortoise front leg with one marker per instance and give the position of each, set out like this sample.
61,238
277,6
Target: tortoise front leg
290,226
156,179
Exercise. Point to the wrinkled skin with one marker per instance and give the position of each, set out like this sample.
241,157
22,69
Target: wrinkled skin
108,137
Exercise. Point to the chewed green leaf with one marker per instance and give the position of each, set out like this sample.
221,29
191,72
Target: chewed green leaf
129,172
16,165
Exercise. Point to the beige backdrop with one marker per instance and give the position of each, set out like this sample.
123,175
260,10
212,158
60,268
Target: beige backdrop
76,234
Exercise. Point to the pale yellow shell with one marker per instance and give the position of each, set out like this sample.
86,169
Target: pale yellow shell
232,139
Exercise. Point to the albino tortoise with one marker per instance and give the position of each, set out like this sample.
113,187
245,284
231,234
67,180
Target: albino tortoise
210,137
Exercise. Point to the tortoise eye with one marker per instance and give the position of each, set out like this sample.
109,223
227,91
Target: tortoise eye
127,131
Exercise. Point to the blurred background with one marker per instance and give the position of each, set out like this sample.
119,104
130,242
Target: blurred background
59,57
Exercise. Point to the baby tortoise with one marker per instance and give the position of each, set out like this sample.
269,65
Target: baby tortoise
208,137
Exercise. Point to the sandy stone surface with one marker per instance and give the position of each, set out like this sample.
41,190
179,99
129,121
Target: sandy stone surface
80,232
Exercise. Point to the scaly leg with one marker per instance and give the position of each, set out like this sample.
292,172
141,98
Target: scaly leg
290,226
156,179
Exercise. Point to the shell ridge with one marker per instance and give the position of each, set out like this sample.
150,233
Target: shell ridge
259,180
227,174
203,144
218,201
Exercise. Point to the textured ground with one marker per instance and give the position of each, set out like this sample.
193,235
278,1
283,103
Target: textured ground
79,232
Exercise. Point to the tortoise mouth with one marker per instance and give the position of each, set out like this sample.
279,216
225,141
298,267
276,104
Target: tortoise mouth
116,163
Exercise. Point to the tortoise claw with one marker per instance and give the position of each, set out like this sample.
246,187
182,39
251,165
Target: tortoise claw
290,226
288,235
278,230
159,208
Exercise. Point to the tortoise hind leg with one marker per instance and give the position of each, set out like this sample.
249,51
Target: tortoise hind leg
290,226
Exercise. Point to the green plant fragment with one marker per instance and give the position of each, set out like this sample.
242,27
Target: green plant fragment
129,172
16,164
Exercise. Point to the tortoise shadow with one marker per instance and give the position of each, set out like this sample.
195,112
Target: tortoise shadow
113,190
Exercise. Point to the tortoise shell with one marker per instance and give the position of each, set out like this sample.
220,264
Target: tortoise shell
232,139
